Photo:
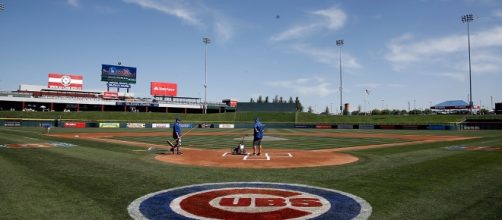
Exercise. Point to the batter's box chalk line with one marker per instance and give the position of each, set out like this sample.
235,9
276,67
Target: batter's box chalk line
280,155
254,157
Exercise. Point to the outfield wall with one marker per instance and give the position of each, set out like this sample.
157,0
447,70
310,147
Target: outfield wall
142,125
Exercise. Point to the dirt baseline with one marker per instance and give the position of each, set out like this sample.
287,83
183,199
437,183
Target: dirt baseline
271,158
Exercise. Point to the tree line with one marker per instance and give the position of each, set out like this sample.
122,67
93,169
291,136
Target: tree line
279,99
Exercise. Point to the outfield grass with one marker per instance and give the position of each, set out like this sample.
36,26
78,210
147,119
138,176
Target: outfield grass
231,139
98,181
247,117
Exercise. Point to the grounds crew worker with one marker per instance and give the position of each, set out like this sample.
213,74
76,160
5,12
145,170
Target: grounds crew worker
258,136
177,136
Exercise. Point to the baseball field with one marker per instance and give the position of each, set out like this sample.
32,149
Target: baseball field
96,173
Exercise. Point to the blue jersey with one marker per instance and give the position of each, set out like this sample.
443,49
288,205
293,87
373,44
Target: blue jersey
258,130
176,130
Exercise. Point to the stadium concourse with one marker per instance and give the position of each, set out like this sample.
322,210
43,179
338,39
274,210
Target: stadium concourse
42,98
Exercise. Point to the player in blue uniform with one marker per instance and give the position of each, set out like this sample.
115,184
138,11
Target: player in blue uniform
177,136
258,136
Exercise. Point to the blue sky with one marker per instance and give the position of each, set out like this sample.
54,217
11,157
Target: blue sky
401,51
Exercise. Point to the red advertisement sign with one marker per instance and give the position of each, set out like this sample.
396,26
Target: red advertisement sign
323,126
74,124
110,95
65,81
163,89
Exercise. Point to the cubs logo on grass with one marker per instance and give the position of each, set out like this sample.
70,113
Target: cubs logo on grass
255,200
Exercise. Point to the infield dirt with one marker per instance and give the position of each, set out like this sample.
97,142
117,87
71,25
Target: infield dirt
271,158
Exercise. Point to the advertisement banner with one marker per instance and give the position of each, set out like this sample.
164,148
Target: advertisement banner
161,125
345,126
109,125
323,126
12,123
304,126
78,124
186,125
163,89
135,125
226,125
65,81
121,74
366,126
110,95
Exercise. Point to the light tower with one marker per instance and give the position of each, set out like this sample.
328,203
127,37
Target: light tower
340,44
206,41
467,19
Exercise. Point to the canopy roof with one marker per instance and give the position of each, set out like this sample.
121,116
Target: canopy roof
453,104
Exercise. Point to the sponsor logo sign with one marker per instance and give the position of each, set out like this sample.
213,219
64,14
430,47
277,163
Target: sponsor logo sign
366,126
255,200
74,124
345,126
65,81
226,126
136,125
110,95
12,123
186,125
304,126
109,125
160,125
323,126
163,89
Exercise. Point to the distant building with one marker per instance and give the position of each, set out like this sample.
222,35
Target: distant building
498,108
453,107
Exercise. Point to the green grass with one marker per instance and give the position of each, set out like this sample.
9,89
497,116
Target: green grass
98,181
246,117
232,139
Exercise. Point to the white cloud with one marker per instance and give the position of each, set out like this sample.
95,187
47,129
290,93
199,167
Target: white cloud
223,31
73,3
306,86
447,52
295,32
223,27
329,56
196,15
335,18
328,19
498,13
173,8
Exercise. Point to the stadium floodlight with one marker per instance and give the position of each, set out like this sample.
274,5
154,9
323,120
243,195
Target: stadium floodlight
467,19
340,43
206,41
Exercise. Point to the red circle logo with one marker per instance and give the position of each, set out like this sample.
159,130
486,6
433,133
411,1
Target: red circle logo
249,203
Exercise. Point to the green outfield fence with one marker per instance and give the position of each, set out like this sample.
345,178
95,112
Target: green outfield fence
246,119
125,124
